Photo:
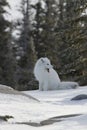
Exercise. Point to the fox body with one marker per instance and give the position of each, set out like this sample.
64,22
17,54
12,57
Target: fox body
48,78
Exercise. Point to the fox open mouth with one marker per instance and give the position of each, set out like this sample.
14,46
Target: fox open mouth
48,70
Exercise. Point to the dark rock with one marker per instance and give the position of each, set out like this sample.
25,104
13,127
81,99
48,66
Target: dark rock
80,97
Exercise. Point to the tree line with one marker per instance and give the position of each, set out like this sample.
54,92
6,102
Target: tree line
48,28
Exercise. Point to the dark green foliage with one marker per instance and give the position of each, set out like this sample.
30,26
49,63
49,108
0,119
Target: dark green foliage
44,34
38,26
72,49
6,60
27,55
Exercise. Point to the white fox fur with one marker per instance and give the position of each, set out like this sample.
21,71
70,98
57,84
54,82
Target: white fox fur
48,78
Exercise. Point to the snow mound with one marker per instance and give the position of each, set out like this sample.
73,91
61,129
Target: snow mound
4,90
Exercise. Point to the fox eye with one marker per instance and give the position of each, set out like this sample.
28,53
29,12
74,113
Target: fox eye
47,64
42,60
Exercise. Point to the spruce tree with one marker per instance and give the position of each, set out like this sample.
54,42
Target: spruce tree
27,54
6,60
71,35
38,27
44,36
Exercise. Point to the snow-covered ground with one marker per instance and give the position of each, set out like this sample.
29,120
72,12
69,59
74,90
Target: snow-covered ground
26,110
28,113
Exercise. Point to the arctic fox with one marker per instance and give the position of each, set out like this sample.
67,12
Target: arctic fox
48,78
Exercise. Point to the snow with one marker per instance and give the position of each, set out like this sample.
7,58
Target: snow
14,12
14,9
50,104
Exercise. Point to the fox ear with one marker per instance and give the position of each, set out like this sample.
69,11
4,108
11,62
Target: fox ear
42,60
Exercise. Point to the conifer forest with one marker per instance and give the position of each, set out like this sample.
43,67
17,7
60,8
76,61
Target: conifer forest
56,29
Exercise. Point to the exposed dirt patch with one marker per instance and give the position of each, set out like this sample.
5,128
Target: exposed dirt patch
5,118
